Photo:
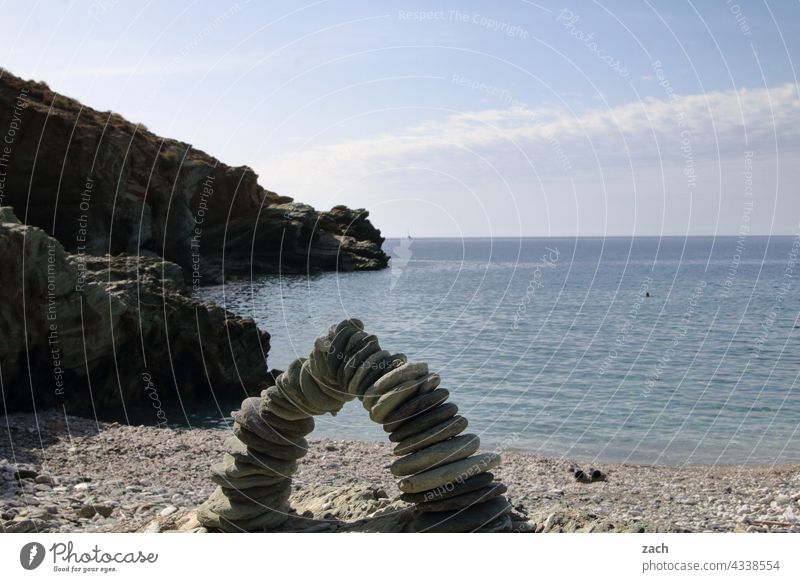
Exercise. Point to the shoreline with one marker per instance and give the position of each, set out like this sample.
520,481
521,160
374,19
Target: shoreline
124,477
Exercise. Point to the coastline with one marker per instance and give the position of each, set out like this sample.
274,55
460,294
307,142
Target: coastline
83,475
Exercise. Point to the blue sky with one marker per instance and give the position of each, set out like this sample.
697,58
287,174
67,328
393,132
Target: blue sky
459,118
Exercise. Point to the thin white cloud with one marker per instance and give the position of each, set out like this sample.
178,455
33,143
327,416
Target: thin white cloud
715,125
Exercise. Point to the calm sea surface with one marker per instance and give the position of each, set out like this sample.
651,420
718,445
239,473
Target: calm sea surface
553,346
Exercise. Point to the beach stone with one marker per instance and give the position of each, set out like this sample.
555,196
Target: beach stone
384,367
353,345
443,431
498,525
450,473
290,428
220,478
337,355
332,395
288,384
464,500
265,522
280,406
454,489
416,406
393,399
255,425
374,361
256,493
312,391
424,421
290,451
430,383
405,373
243,454
431,457
230,509
370,346
465,520
234,467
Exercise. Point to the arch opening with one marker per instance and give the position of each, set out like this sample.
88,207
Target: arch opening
440,467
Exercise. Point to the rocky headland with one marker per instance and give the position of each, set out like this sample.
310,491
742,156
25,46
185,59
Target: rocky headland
101,185
99,335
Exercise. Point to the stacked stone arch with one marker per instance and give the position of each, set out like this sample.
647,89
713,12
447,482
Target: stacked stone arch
440,468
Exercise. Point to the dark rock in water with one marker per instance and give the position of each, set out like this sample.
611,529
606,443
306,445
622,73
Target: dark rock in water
95,334
121,189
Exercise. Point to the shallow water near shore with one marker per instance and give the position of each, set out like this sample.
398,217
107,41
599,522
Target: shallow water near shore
553,345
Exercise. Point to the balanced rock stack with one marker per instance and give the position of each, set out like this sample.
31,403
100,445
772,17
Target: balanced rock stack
442,474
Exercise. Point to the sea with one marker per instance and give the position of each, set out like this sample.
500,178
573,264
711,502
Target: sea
660,351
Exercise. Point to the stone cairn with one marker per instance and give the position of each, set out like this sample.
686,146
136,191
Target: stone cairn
450,485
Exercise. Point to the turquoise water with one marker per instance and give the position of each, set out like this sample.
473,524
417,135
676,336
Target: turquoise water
553,346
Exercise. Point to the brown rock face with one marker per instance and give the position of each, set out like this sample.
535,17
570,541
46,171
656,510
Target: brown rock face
102,185
96,334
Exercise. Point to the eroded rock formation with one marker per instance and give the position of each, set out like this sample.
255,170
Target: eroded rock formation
102,185
99,334
441,471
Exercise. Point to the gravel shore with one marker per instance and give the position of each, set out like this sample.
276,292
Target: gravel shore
74,474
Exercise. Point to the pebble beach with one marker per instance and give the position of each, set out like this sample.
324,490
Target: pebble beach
77,475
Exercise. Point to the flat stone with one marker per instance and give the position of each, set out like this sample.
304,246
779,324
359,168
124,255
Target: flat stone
233,467
500,524
331,392
392,362
451,490
249,419
436,455
418,405
279,406
373,362
465,520
321,351
288,384
441,432
337,355
370,346
252,494
243,483
243,454
313,393
424,421
231,509
289,450
464,500
265,522
393,399
409,371
450,473
354,344
290,428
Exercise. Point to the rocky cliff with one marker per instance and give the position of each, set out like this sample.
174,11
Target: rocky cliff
102,185
101,335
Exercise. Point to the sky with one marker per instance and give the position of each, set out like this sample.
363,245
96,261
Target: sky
460,118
